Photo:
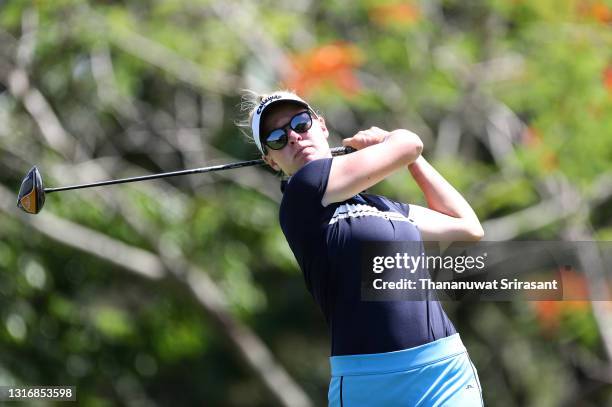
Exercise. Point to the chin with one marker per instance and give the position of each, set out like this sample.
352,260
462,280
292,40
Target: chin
306,158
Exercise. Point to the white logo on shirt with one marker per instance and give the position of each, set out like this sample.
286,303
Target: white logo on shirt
359,210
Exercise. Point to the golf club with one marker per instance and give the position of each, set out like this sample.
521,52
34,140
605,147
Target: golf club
31,196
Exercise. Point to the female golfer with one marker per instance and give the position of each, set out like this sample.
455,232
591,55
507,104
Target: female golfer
383,353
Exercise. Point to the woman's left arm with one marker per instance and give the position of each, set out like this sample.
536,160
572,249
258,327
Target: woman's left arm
449,216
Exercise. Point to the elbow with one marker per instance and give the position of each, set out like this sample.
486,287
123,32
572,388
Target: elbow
417,150
475,233
412,145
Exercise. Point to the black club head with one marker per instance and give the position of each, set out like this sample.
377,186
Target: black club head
31,196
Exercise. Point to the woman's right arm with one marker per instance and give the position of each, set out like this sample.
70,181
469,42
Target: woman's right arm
386,153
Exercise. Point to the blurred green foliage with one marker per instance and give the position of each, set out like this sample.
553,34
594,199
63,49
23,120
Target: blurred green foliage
523,88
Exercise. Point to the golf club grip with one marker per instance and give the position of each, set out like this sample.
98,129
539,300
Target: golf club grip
342,150
230,166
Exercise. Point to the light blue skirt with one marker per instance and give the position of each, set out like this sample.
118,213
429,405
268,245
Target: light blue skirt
438,373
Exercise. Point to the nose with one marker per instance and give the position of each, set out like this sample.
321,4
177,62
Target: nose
293,136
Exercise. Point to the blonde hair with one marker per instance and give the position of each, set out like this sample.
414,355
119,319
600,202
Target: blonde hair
249,101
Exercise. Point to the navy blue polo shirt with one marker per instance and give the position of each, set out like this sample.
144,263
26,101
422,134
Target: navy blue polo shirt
326,243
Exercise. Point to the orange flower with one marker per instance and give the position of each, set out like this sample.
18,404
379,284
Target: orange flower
594,10
401,14
607,78
331,64
549,314
531,137
601,12
550,161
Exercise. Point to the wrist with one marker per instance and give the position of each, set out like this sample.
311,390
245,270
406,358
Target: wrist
420,159
416,164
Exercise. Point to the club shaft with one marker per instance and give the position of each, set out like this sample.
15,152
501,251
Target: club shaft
222,167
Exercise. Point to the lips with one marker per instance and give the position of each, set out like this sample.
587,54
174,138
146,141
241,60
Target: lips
300,151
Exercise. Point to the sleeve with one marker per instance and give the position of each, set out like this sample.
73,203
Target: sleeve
406,210
307,186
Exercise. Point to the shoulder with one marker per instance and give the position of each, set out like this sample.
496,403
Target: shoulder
304,190
308,183
312,173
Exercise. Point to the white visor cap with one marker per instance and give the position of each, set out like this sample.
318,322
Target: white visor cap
273,99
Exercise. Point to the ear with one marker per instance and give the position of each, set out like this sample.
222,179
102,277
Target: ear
270,161
323,126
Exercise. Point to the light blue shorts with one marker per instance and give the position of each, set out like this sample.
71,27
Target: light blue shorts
439,373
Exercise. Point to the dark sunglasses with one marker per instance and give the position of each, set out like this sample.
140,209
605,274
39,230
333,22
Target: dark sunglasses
278,138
